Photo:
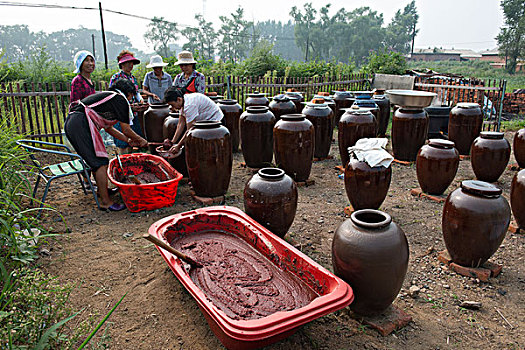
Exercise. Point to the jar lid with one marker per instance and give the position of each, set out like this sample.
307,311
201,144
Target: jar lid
343,94
256,94
281,98
257,109
492,135
363,94
227,102
480,188
293,117
271,173
359,111
356,108
325,98
467,105
440,143
323,93
370,218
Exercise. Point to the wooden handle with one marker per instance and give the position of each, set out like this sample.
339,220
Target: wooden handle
134,179
170,249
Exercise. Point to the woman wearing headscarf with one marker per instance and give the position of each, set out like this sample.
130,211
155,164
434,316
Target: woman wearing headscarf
97,111
126,61
81,85
191,80
156,81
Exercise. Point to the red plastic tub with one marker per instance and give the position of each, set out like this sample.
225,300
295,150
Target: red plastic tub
145,196
334,293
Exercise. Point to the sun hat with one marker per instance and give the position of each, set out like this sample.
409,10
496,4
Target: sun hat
185,57
156,61
79,59
127,57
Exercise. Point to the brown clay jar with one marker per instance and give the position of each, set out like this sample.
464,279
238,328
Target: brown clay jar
168,131
256,99
328,100
256,125
154,122
232,112
464,125
436,166
343,100
383,102
370,253
355,124
517,198
280,105
489,155
475,219
209,158
320,115
297,98
519,147
270,197
170,125
409,132
366,187
293,145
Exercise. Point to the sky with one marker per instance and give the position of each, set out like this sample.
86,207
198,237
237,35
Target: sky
458,24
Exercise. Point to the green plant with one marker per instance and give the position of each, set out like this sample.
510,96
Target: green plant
386,62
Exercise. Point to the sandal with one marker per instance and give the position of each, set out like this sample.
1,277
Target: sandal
114,207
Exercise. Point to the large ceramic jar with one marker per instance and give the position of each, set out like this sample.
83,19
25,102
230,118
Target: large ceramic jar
475,219
517,198
343,100
154,122
409,132
436,166
256,125
209,158
168,131
366,187
293,145
383,102
232,112
170,125
370,253
256,99
464,125
437,121
519,147
270,197
328,100
280,105
489,155
355,124
297,98
320,115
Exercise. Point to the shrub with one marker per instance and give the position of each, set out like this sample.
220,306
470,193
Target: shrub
385,62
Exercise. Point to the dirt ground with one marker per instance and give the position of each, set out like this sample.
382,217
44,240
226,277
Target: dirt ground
105,256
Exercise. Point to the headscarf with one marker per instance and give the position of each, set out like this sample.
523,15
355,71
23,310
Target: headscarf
79,59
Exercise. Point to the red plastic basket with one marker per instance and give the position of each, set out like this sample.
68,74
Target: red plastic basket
145,196
334,293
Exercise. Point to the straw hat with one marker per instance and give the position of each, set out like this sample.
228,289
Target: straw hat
185,57
156,61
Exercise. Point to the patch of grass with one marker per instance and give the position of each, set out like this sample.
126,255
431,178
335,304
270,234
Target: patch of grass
512,125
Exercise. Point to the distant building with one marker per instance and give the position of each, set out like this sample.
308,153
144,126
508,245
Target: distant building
444,55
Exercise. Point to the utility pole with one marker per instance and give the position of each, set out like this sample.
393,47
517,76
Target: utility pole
103,35
413,37
93,44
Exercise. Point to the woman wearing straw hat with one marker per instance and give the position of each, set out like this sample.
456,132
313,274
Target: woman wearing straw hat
81,85
156,81
189,79
126,61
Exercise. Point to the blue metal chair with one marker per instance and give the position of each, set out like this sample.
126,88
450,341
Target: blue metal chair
74,166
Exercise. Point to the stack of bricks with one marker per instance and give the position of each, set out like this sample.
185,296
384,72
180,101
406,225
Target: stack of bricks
514,102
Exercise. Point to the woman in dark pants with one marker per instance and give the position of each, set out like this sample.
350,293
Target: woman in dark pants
97,111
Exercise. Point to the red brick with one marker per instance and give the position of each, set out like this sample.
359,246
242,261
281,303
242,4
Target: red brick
392,319
208,200
402,162
513,227
417,192
475,272
444,257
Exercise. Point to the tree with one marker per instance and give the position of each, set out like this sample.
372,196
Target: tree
202,39
236,37
402,29
281,36
161,33
304,23
511,39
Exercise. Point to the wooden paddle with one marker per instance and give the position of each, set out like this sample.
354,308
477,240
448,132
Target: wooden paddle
172,250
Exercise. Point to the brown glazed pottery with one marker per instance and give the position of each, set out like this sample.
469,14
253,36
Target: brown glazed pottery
383,102
153,124
438,121
370,253
355,124
464,125
519,148
168,131
293,145
209,158
436,166
320,115
297,99
475,220
281,104
489,155
342,99
409,132
366,187
270,197
232,112
517,198
170,125
256,99
256,125
328,100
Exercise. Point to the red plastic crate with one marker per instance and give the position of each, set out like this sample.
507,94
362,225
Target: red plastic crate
145,196
334,293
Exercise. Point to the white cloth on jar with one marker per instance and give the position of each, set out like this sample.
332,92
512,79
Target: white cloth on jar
371,151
